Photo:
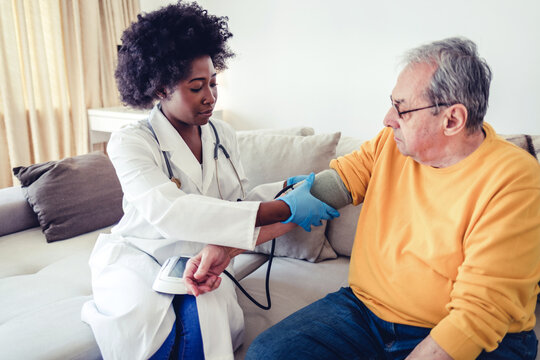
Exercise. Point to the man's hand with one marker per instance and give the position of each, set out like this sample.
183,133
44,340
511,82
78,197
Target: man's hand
428,349
202,271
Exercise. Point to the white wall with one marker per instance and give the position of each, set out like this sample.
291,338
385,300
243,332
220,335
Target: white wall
332,64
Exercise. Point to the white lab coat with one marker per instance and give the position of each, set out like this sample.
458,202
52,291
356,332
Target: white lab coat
129,319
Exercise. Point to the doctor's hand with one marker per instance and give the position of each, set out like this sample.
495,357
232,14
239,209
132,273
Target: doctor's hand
202,271
307,210
295,179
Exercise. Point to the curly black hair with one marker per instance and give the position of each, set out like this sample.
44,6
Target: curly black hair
157,50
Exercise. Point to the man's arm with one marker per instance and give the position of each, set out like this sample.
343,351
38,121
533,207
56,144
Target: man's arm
498,276
428,349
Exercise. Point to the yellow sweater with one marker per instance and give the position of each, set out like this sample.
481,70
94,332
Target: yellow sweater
455,249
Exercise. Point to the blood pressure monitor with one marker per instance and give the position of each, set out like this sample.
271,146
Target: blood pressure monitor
170,279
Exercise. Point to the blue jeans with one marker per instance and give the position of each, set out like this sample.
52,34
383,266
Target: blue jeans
340,326
185,340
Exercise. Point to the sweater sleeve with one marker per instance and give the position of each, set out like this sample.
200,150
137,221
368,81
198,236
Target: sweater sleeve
496,285
356,168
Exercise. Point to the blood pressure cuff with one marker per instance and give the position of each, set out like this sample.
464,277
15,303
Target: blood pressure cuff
329,188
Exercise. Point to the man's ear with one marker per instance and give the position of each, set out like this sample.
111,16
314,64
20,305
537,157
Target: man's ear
455,119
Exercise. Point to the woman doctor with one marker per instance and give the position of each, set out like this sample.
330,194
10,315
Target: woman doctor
171,56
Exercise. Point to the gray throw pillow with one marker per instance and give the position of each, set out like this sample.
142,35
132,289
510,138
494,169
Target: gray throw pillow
72,196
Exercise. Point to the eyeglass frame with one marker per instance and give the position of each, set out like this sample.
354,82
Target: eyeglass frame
401,113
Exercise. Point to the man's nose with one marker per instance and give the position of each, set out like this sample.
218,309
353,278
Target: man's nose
390,118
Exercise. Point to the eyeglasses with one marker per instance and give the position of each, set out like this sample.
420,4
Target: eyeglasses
400,113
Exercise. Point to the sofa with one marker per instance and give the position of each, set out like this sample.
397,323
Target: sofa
44,273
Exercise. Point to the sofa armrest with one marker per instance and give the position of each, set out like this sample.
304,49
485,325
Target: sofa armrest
15,212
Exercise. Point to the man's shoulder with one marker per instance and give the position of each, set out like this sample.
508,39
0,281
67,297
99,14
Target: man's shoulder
528,143
513,160
383,142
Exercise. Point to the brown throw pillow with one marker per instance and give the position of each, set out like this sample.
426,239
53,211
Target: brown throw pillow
72,196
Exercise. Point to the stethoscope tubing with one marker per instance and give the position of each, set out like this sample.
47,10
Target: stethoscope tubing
217,146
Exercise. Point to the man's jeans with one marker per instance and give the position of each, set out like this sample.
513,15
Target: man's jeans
184,340
340,326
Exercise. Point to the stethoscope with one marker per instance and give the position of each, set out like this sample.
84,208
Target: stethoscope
217,147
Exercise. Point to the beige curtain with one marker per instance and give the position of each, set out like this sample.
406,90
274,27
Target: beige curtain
57,59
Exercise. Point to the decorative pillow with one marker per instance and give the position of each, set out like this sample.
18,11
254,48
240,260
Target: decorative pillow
269,158
72,196
298,244
342,230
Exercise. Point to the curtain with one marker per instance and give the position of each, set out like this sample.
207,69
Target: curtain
57,59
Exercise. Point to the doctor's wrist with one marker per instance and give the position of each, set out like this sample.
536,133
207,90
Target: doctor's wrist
271,212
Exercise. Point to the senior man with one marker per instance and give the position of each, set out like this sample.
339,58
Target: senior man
446,258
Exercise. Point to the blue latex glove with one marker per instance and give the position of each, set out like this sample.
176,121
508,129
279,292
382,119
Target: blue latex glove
296,179
307,210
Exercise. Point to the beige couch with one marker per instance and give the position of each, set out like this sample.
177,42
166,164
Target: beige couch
43,285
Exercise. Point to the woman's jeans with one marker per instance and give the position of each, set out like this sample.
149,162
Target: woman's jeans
340,326
184,340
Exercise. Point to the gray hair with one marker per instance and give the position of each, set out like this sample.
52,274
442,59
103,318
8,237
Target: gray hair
461,77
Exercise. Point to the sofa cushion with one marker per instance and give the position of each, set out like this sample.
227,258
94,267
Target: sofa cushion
245,264
43,287
269,158
74,195
50,331
15,212
27,252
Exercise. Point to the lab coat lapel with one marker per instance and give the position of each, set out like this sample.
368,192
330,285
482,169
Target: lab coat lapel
179,153
208,142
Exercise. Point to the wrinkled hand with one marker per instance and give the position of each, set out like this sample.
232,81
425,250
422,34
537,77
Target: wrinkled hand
296,179
307,210
202,271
